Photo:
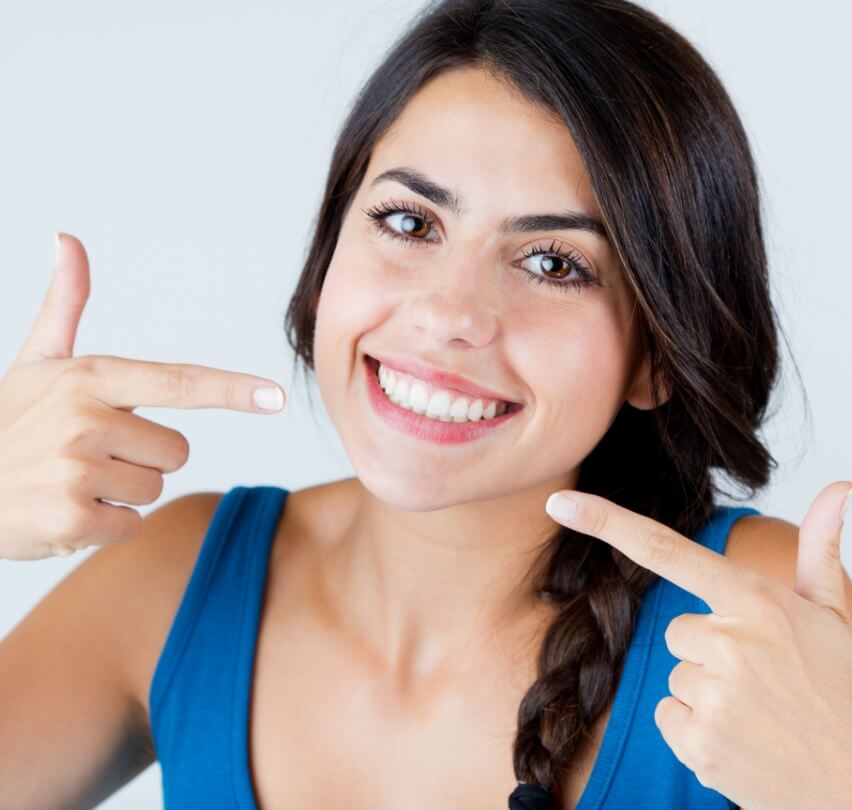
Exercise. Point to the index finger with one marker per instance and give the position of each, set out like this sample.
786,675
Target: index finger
125,383
727,586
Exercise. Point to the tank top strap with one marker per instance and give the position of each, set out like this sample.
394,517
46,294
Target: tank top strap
195,694
635,766
714,536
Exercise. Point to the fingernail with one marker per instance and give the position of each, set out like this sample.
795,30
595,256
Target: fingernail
560,507
58,244
269,399
63,551
845,508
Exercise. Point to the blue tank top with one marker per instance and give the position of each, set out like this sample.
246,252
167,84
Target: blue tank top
200,691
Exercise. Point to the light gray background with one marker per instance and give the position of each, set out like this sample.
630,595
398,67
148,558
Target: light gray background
186,145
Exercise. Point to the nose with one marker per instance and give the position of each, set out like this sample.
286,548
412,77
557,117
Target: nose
455,303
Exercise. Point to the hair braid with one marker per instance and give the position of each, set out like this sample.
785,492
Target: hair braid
581,655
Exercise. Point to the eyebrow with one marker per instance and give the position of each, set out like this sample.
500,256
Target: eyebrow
440,196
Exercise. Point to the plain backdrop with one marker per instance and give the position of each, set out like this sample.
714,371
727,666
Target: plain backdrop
186,144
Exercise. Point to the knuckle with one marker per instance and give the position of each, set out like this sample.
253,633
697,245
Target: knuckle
74,474
155,488
86,362
702,757
660,713
658,546
78,522
83,368
173,381
733,664
230,394
673,679
597,518
672,631
727,649
132,523
80,427
716,704
74,376
832,554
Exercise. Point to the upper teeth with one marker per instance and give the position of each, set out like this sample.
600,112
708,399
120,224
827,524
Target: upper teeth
438,403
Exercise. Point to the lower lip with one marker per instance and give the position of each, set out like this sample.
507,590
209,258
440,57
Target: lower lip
422,427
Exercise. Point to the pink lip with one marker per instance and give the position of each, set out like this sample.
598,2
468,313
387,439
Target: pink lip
422,427
442,379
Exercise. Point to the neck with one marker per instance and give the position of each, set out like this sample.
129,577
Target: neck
428,591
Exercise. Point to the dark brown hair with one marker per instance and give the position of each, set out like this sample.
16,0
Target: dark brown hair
670,166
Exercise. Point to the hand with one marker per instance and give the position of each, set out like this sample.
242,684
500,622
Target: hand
68,434
761,705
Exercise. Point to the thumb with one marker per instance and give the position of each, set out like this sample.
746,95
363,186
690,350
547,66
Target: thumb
819,570
55,328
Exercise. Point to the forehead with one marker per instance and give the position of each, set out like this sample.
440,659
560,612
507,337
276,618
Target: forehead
479,134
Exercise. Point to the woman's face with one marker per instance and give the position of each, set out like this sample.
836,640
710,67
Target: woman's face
462,295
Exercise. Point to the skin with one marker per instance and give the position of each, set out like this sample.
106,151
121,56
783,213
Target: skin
471,515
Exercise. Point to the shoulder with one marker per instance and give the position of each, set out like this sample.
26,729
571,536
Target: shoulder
139,584
767,544
770,545
103,627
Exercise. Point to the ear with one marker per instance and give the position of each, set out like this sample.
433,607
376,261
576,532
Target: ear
639,394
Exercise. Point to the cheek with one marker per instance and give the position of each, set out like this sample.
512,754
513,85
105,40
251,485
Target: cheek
580,356
579,388
349,305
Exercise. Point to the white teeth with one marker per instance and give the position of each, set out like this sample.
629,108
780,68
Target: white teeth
400,393
418,399
458,412
475,410
440,405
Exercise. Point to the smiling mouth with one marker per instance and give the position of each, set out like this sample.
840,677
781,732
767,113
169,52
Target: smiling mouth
459,407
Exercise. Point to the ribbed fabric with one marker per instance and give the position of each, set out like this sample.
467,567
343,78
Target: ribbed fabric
201,687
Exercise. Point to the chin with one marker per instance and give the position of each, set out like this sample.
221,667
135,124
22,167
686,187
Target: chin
411,491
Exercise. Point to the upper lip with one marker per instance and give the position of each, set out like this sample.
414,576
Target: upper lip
440,378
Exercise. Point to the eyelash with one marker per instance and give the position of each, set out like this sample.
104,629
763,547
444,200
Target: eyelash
377,215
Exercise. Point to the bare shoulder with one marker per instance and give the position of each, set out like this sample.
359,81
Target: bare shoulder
135,589
767,544
771,546
150,575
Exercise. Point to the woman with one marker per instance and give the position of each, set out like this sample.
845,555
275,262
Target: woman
538,267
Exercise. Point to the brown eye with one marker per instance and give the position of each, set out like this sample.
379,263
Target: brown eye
555,266
408,224
403,221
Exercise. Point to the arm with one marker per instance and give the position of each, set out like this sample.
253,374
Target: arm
72,728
